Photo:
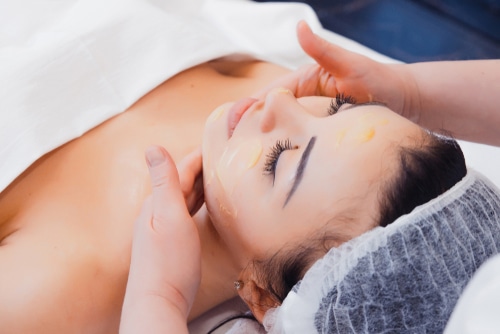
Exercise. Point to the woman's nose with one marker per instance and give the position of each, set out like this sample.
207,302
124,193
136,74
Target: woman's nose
280,109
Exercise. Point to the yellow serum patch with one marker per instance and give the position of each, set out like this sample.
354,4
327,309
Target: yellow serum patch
283,90
340,137
366,135
367,125
216,114
234,162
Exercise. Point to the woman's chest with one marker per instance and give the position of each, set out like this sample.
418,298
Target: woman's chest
69,217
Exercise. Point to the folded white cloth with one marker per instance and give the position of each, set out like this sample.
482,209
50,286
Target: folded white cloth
67,66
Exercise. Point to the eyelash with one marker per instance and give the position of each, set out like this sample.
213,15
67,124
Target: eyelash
338,101
283,145
273,156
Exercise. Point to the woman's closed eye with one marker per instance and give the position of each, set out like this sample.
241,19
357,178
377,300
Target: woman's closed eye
339,100
281,146
273,156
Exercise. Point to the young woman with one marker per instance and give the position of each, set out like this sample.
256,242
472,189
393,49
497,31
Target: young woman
299,176
356,187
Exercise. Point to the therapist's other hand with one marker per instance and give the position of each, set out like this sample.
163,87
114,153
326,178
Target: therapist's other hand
165,268
341,71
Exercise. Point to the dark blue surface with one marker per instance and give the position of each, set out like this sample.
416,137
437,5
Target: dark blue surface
412,30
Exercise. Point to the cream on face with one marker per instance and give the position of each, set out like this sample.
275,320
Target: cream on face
213,117
283,90
216,114
363,131
236,159
340,137
349,158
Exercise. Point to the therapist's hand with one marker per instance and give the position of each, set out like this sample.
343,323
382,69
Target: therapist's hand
165,269
191,180
341,71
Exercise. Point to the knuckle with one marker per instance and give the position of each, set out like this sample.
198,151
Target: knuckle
160,179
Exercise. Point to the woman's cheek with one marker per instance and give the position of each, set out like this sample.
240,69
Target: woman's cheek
236,163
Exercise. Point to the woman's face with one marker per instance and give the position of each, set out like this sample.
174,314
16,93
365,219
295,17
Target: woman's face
279,169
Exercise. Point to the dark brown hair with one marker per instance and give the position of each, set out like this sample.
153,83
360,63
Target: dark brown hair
431,166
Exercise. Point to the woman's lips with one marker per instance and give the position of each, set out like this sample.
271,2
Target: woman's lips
236,112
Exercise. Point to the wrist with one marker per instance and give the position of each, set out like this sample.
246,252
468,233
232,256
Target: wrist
410,94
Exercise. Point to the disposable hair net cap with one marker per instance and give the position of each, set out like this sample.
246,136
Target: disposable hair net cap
404,278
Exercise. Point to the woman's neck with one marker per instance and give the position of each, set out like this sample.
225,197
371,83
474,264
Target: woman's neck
218,269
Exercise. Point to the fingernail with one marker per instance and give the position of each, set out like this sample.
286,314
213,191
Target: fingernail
154,156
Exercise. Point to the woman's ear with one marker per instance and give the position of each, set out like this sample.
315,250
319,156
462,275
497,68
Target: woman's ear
258,299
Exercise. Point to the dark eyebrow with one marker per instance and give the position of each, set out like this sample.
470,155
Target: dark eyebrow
300,169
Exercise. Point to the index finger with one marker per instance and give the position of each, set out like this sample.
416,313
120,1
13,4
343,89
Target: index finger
331,57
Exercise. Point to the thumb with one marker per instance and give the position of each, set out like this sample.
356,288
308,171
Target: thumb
165,237
329,56
166,188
